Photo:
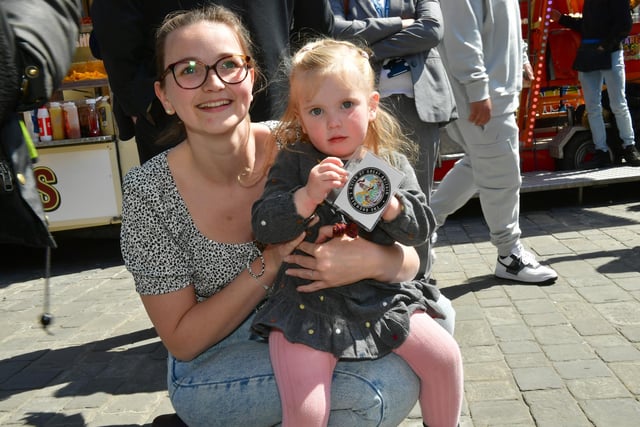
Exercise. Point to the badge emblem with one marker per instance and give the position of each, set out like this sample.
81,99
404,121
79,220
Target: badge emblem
371,184
368,190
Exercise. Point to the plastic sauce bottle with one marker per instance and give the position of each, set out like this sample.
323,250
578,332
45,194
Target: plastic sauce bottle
44,124
57,121
106,116
83,118
92,118
71,120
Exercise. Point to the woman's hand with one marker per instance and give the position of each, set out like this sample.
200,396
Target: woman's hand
274,255
330,264
344,260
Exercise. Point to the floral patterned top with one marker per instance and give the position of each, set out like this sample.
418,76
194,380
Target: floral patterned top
161,246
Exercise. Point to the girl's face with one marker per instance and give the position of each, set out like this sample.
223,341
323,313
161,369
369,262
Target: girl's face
216,106
336,116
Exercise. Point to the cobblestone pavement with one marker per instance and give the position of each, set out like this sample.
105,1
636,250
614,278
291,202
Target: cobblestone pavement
560,355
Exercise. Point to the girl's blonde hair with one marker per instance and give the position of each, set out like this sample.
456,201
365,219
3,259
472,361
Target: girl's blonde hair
321,58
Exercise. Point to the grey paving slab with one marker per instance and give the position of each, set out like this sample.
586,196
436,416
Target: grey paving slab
561,355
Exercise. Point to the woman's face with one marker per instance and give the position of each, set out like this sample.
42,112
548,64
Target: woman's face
216,106
336,115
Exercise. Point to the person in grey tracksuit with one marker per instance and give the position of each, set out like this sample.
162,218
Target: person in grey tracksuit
482,52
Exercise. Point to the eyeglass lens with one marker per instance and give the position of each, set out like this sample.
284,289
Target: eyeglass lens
192,74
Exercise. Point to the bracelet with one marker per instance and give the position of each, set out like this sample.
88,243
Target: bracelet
259,275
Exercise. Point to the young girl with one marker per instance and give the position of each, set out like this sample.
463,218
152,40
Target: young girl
333,110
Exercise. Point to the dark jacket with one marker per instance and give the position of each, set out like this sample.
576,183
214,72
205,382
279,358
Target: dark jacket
37,41
605,22
274,219
417,44
40,36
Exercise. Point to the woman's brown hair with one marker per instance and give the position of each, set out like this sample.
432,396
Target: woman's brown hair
180,19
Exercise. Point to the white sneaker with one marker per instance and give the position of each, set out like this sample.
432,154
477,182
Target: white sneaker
523,267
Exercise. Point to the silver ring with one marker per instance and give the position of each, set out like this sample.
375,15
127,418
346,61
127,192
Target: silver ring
313,273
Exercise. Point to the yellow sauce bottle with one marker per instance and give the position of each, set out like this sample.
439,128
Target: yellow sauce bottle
57,121
106,116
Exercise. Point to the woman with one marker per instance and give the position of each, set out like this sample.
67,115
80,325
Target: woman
187,240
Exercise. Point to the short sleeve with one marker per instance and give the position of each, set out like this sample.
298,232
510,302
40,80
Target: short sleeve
150,249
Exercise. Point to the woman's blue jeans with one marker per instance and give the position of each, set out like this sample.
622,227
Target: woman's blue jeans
591,83
232,384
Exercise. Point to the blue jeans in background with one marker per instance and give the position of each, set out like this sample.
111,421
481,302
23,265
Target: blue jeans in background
615,79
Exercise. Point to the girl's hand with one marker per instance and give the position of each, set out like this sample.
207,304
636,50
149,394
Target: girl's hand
392,210
324,177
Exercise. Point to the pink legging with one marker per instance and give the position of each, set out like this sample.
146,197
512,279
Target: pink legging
304,375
